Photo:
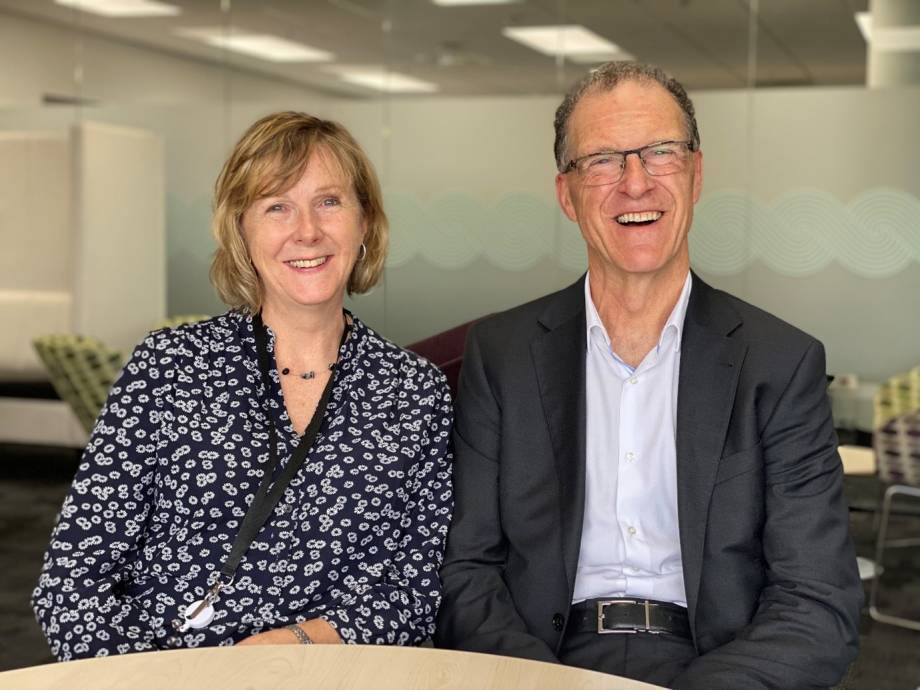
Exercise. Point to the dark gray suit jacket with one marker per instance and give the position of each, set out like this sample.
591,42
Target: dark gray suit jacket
770,574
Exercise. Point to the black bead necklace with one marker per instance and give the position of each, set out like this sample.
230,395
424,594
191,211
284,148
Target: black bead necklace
306,375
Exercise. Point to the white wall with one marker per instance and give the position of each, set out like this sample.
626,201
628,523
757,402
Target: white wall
35,230
36,272
119,286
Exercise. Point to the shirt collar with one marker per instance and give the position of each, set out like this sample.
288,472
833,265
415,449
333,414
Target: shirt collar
673,328
675,322
593,323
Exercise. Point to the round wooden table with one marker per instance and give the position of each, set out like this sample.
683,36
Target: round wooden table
323,667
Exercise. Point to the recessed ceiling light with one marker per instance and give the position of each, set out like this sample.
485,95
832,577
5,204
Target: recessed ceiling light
454,3
571,41
123,8
892,39
382,80
262,46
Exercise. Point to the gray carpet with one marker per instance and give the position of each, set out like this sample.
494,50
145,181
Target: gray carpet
33,482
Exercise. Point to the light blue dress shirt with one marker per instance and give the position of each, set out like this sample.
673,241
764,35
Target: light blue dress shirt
630,544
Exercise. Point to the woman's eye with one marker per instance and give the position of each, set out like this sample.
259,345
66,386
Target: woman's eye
331,201
275,208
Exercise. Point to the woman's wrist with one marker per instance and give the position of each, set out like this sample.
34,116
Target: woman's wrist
299,633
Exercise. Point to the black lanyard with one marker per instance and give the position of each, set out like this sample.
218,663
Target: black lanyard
265,500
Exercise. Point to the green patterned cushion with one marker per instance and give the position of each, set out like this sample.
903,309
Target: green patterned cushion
896,396
81,369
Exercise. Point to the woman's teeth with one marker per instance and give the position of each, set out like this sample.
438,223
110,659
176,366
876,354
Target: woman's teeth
644,217
307,263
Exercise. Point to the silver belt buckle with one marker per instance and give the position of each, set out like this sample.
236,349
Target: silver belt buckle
603,603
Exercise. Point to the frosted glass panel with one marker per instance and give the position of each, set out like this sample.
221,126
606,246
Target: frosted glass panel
810,203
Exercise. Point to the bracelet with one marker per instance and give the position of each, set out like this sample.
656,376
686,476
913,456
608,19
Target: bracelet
299,633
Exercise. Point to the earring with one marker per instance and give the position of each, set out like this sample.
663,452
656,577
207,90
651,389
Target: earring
363,252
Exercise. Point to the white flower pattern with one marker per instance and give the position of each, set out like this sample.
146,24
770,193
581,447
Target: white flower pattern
174,461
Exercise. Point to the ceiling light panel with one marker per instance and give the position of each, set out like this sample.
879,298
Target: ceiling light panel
571,41
261,46
123,8
382,80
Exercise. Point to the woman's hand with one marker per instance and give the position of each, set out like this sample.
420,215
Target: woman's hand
318,630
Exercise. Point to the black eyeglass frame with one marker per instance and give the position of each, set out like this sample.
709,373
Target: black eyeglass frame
573,164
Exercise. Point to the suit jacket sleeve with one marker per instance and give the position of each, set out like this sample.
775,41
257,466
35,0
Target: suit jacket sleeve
477,611
805,629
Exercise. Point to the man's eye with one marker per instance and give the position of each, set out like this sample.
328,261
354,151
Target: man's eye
601,161
659,151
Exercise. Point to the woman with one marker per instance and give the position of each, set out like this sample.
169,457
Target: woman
193,519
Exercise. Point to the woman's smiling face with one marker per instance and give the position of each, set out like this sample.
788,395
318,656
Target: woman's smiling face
304,241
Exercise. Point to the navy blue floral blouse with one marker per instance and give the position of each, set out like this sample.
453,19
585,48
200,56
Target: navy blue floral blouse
174,461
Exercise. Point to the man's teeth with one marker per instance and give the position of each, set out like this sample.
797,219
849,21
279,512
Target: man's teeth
307,263
644,217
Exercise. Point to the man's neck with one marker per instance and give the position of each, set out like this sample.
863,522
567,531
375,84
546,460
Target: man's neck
634,308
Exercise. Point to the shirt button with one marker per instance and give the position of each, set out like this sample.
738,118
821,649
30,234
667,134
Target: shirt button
630,456
633,379
558,622
632,531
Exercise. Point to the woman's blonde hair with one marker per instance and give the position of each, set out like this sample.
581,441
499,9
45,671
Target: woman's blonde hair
269,159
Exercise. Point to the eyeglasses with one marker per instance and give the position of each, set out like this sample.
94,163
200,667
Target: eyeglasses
606,167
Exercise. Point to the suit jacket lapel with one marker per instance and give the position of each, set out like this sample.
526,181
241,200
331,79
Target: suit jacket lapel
559,361
710,363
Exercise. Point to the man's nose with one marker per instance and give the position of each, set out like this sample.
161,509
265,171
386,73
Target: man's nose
635,181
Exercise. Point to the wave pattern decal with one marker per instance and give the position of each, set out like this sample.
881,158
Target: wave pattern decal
876,235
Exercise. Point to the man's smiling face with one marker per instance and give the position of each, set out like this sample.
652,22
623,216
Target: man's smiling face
639,224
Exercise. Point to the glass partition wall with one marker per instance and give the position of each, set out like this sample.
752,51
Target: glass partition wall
809,203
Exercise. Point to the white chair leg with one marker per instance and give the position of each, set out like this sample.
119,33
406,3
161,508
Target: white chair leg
879,555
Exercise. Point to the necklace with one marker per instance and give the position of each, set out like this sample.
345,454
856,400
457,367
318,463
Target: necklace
311,374
306,375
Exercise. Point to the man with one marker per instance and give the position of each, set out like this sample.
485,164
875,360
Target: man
641,453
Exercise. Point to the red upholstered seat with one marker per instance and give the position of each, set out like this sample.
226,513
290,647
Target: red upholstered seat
445,351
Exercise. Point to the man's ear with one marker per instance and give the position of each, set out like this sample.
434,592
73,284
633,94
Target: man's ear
697,175
565,197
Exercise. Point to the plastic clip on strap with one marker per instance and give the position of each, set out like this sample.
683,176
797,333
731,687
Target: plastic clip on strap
200,613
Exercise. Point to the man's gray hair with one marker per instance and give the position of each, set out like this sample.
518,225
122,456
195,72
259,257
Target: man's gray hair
606,78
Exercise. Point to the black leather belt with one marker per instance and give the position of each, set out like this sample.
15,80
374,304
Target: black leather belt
629,616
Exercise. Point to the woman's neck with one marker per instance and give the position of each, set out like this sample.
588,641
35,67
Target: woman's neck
305,337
